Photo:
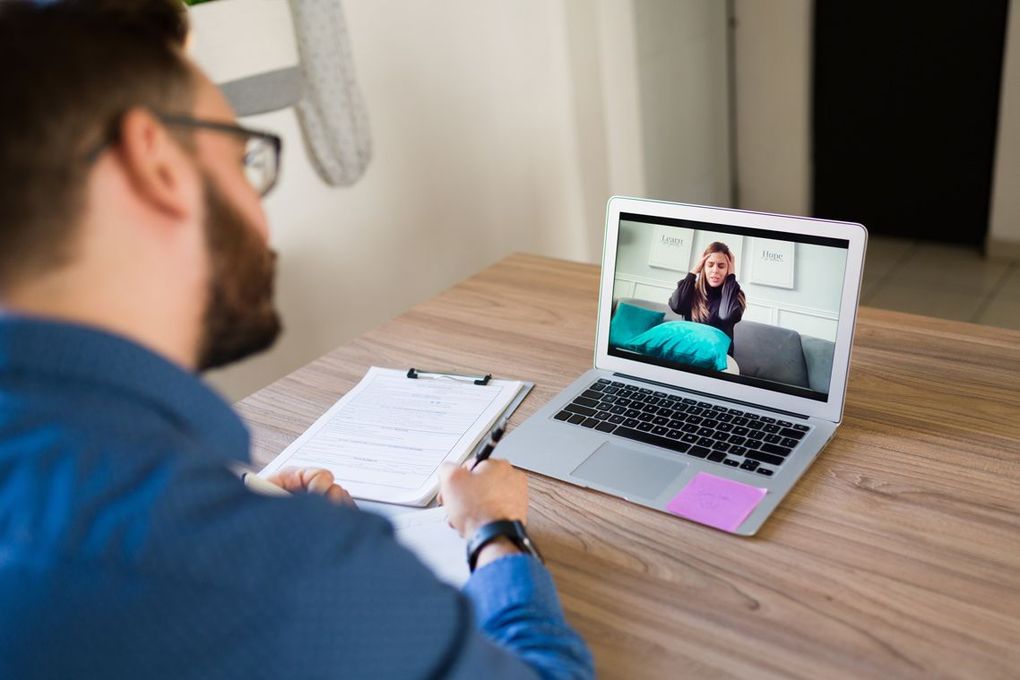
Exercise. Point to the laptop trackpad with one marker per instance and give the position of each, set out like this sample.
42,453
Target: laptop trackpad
630,471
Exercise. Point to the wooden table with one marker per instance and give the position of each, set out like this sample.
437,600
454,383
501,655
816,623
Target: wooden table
897,555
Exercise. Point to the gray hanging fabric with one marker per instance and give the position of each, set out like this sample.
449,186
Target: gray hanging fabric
331,110
268,55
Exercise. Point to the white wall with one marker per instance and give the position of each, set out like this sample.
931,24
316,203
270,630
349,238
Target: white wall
773,100
684,98
811,307
1005,215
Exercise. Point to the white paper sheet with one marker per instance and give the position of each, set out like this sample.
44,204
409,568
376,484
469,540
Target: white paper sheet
428,535
385,439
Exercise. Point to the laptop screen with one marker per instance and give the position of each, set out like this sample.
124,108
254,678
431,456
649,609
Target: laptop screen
749,306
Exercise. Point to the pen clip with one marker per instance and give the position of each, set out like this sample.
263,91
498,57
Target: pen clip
461,377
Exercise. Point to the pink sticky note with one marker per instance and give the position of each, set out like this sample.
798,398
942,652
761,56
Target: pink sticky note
715,501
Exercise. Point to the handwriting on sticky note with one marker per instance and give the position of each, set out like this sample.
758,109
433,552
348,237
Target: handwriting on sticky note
716,501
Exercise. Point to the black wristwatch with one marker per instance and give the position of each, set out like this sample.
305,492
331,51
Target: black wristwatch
514,531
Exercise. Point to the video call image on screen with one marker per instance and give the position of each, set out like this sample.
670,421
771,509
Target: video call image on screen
742,305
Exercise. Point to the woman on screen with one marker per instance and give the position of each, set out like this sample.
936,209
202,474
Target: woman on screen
710,293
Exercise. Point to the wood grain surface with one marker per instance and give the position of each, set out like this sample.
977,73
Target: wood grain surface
896,556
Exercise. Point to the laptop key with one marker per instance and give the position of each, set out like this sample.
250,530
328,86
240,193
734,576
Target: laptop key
709,423
605,427
764,471
721,446
617,383
646,417
602,381
584,401
645,427
618,410
717,456
603,406
763,458
695,420
720,436
741,431
675,424
766,419
612,390
590,422
756,434
668,412
674,434
632,413
736,440
741,421
695,410
699,451
773,438
660,420
598,387
631,422
577,419
591,394
690,402
616,420
608,399
802,428
749,465
791,433
706,442
583,410
724,417
735,412
789,442
649,438
724,427
689,427
660,430
732,462
562,415
752,444
602,415
690,438
650,408
706,432
622,401
737,450
772,429
778,450
784,423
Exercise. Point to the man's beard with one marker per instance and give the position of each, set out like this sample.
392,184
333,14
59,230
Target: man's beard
240,319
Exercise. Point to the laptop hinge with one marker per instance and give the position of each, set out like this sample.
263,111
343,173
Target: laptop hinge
712,396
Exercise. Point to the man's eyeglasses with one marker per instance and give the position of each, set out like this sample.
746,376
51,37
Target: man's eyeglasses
261,154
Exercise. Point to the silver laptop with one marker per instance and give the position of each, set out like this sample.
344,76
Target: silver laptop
721,357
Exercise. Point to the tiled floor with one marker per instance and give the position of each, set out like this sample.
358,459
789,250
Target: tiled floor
951,282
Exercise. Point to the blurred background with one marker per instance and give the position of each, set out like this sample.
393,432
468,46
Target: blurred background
504,125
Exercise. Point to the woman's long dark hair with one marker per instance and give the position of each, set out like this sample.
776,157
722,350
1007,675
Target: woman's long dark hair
699,305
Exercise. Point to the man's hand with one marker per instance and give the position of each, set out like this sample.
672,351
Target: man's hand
312,480
493,491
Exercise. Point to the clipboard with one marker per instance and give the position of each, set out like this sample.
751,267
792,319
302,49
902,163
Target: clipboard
384,442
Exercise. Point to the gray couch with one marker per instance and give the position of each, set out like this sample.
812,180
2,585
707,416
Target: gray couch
771,353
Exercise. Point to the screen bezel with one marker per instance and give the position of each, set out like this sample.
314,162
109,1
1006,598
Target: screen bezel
856,237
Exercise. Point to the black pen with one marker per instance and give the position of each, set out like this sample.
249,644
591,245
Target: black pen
494,437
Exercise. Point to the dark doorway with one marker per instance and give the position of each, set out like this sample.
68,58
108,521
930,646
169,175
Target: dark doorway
906,103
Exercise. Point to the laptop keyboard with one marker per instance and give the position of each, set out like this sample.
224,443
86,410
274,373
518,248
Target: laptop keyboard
723,435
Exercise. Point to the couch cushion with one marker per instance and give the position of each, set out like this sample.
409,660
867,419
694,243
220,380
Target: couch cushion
770,353
684,342
818,357
630,321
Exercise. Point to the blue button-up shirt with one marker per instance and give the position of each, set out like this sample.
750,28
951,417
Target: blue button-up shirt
128,549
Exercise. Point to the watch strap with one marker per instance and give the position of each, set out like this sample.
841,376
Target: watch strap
513,530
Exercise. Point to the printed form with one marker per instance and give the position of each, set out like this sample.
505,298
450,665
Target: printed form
386,438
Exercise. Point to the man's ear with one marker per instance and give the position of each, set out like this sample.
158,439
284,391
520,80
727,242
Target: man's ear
156,166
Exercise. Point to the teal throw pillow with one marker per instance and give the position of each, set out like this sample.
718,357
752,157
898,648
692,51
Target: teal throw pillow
630,321
684,342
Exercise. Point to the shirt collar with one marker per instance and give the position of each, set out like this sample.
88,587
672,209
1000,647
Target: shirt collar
89,355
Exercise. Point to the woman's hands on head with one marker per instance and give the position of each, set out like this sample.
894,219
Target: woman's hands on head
701,264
